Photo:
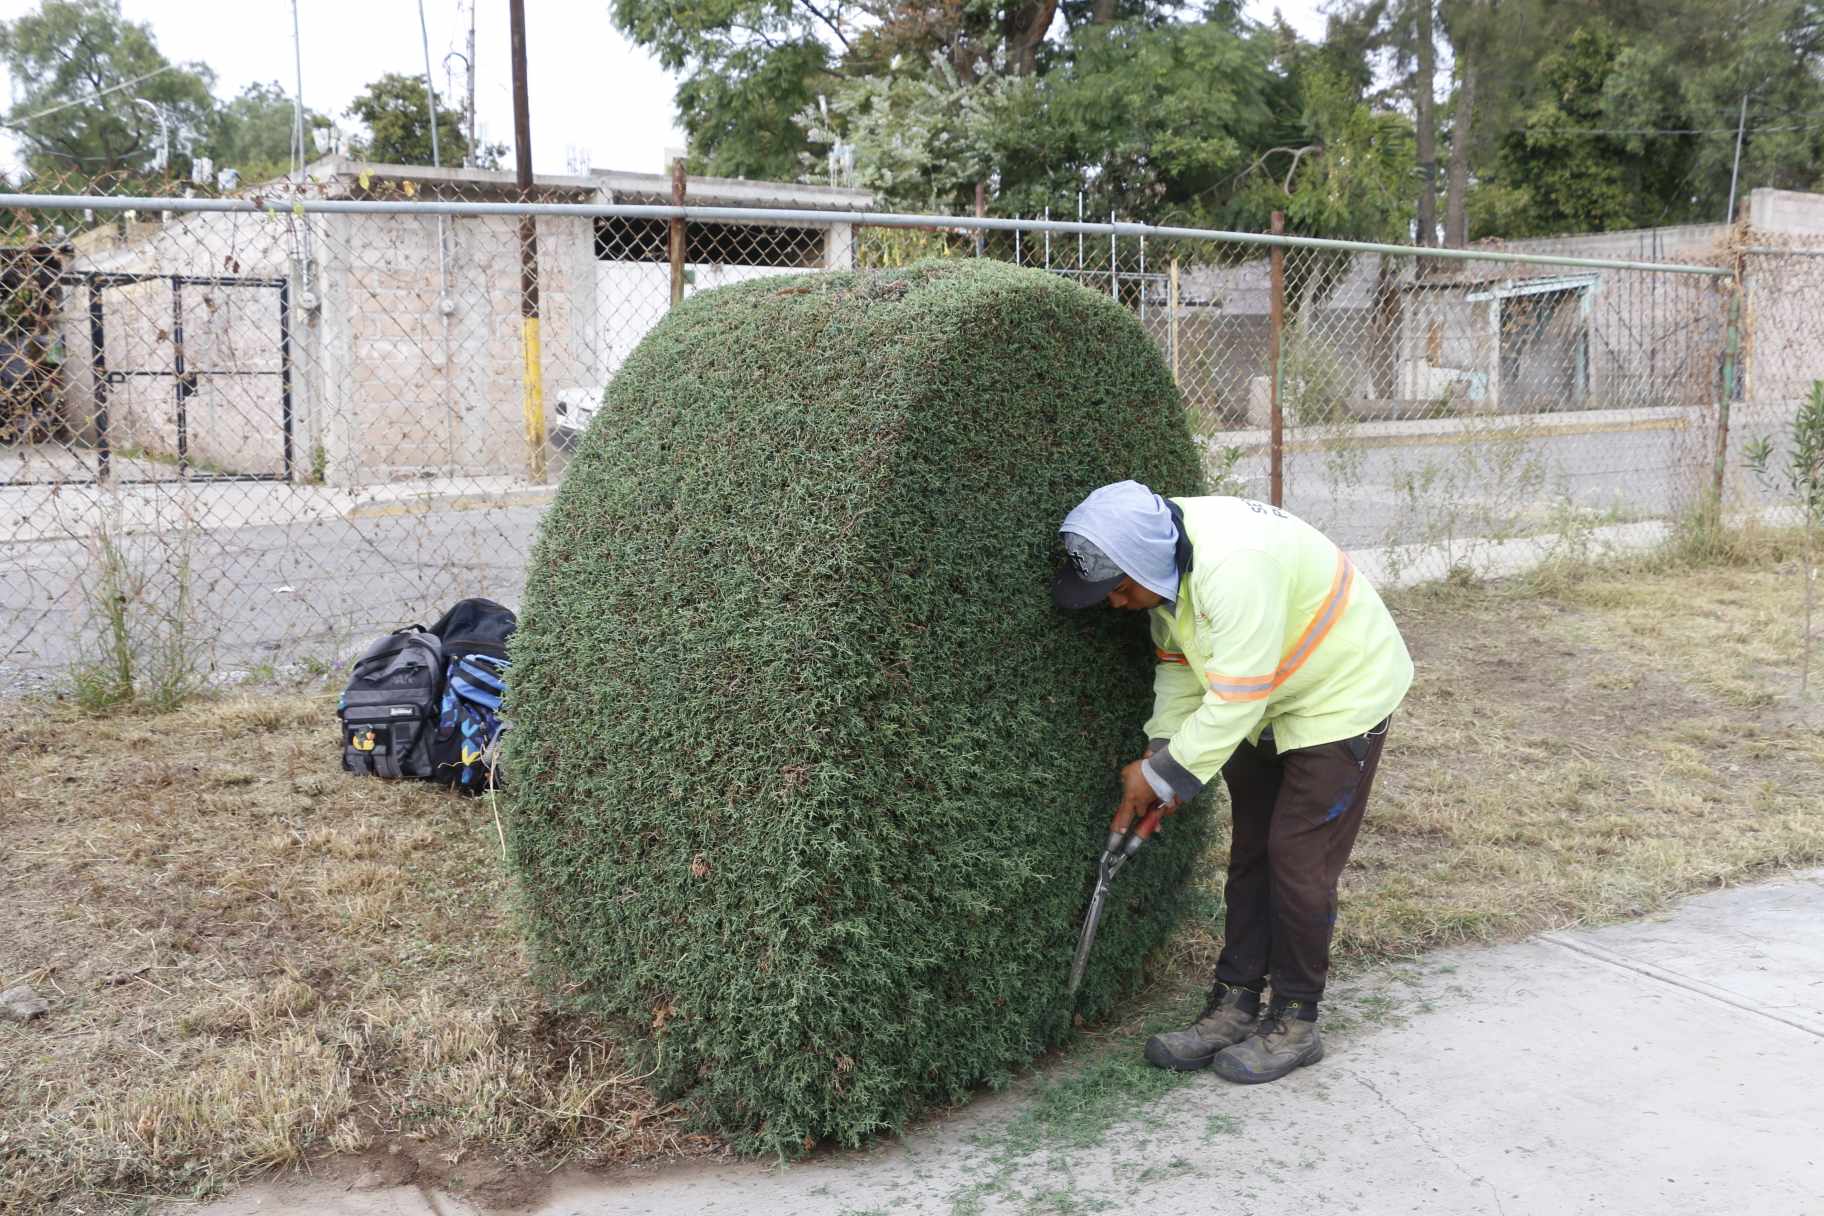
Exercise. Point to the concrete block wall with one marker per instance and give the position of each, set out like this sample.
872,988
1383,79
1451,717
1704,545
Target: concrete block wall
231,339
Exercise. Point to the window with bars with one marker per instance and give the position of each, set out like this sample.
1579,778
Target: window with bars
620,239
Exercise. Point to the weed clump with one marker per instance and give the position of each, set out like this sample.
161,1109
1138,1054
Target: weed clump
809,774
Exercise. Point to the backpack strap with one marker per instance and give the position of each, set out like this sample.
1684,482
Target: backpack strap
387,765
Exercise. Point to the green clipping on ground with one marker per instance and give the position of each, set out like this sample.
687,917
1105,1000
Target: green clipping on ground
810,777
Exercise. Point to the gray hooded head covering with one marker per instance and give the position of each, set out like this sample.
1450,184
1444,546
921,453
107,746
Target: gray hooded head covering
1120,529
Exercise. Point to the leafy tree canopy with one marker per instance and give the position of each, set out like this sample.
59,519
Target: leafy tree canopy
83,52
252,133
396,114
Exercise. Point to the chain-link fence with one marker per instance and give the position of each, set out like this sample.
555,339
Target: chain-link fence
276,425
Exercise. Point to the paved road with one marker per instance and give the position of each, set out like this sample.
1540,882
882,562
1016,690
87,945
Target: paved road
1669,1066
315,575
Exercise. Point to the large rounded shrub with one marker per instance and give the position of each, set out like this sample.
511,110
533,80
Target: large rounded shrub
809,776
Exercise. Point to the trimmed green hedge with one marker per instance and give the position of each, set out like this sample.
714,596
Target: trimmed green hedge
809,776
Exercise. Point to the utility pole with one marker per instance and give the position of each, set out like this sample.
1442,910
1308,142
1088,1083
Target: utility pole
1741,125
430,87
474,143
533,393
300,136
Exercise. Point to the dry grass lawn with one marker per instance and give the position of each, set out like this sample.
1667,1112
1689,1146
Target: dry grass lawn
251,958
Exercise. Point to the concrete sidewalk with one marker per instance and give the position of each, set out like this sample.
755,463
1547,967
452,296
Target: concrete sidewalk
1465,428
1674,1065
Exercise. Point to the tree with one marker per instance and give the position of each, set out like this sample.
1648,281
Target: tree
739,121
396,112
92,90
919,140
1569,172
1629,108
1348,167
746,65
746,62
1403,35
1425,123
1468,26
252,133
1154,120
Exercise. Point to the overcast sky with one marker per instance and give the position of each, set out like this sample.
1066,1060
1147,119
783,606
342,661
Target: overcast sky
592,95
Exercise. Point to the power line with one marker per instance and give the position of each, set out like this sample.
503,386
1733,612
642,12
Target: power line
1798,126
20,122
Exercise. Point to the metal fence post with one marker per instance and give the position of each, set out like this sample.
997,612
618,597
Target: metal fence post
1732,344
1276,322
1114,261
677,233
532,359
1173,314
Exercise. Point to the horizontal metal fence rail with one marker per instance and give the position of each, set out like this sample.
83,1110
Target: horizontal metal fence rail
874,219
276,425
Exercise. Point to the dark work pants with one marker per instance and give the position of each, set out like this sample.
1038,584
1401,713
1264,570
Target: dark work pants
1296,816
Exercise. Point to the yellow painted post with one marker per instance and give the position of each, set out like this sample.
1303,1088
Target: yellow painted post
534,395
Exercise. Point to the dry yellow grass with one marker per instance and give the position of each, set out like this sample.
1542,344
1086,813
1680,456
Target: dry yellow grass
251,958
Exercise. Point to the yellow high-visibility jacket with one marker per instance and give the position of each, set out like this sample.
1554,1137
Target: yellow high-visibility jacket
1273,627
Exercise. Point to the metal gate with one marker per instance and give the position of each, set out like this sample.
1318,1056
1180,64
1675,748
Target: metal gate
186,378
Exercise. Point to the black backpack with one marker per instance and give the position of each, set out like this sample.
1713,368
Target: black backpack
389,709
425,703
465,747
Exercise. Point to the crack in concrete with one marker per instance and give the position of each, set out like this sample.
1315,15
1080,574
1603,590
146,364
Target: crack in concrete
1419,1132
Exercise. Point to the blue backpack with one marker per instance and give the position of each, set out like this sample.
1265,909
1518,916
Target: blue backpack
465,748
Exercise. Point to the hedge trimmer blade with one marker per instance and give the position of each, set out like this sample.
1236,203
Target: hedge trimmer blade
1104,872
1124,840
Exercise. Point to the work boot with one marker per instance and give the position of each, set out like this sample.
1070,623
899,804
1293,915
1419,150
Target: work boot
1281,1042
1228,1017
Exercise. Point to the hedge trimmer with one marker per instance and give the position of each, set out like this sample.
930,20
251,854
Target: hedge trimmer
1124,840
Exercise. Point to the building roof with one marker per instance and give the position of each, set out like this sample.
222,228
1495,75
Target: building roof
340,173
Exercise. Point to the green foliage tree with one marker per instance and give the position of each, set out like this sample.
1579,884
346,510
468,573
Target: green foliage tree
745,63
1624,112
1349,174
738,120
252,133
1154,120
1566,116
1151,121
1402,34
1568,177
74,121
395,110
748,66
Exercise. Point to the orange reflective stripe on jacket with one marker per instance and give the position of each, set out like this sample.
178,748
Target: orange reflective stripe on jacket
1256,688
